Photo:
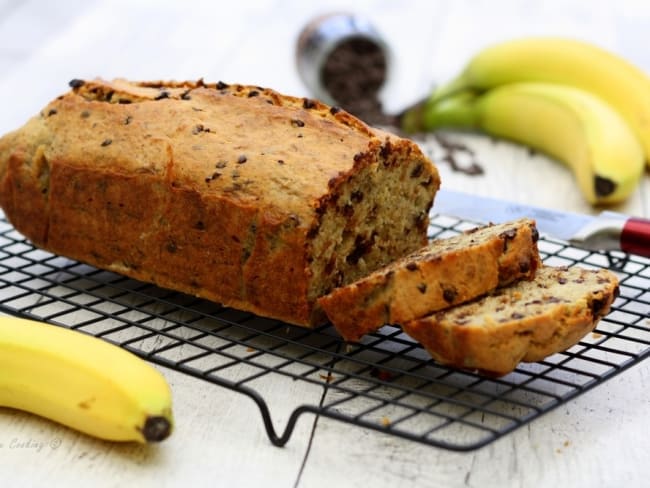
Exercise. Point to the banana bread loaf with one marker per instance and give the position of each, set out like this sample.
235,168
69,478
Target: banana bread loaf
237,194
527,321
444,273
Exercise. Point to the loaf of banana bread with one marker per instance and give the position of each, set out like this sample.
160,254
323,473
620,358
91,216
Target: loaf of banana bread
527,321
444,273
237,194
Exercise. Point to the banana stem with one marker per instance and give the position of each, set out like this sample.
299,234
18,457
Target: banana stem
456,111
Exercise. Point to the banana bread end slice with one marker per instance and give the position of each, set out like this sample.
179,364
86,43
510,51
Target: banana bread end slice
527,321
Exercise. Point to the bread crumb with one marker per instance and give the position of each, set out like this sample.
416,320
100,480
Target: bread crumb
565,444
596,335
385,421
329,377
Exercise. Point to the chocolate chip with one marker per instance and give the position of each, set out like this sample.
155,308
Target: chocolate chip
535,233
449,294
76,83
297,123
186,95
412,266
221,164
163,94
199,225
330,266
128,120
362,246
221,85
562,280
242,159
124,101
358,157
507,235
417,171
253,93
308,104
85,114
335,110
198,129
280,161
516,316
421,220
171,247
597,306
51,112
106,142
427,182
385,150
356,196
422,287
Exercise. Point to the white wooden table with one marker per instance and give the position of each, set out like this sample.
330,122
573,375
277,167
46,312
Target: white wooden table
600,439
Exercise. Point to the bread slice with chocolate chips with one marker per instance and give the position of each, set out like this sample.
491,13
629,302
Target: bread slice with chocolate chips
445,273
527,321
238,194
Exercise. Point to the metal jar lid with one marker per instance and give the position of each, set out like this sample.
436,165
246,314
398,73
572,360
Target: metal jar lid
319,49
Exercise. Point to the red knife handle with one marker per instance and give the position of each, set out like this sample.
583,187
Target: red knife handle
635,236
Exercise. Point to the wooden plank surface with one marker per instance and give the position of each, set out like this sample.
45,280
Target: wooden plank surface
599,439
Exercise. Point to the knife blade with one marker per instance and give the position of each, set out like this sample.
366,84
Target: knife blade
607,231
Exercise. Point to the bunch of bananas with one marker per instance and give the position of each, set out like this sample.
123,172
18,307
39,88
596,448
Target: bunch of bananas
576,102
83,382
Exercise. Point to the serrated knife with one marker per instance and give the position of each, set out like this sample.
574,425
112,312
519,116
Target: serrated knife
607,231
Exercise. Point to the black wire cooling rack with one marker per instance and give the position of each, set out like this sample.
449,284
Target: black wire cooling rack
387,382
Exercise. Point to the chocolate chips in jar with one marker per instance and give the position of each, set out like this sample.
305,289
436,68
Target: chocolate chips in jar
344,62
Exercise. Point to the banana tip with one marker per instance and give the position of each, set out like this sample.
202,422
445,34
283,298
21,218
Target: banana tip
156,428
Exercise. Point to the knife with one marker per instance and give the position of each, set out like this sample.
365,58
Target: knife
607,231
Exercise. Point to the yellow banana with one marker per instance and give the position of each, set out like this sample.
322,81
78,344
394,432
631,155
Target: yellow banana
565,61
569,124
83,382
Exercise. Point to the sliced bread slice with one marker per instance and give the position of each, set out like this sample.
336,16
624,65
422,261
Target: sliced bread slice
445,273
527,321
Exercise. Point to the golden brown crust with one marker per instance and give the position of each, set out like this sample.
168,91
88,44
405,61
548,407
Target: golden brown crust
527,321
222,191
445,273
